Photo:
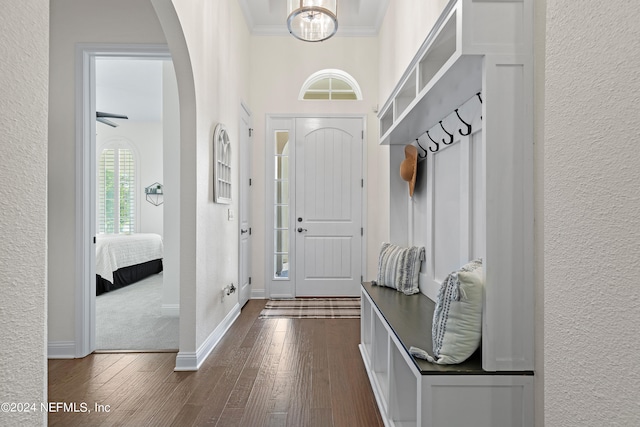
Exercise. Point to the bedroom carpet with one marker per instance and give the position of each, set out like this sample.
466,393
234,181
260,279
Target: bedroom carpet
312,308
131,318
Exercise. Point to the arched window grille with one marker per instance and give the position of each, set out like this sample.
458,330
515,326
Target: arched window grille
330,84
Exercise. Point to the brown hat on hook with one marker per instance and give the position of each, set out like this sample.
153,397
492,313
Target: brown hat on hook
409,167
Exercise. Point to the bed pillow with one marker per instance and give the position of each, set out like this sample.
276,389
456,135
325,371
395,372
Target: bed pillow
399,267
457,319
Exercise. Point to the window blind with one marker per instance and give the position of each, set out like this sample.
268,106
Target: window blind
116,198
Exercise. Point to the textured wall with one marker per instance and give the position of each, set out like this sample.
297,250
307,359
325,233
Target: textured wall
24,49
591,214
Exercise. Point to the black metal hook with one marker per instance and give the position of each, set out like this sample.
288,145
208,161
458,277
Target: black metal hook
425,151
480,98
465,123
450,135
435,142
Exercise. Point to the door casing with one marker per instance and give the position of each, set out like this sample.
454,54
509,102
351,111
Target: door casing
244,229
86,54
285,288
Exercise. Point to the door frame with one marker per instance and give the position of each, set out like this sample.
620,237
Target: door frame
85,130
285,288
244,202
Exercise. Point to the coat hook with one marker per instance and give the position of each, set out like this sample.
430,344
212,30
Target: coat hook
480,98
425,151
450,135
435,142
465,123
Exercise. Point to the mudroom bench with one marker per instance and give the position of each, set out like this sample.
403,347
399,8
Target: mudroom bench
414,392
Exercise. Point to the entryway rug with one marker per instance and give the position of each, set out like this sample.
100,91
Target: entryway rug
312,308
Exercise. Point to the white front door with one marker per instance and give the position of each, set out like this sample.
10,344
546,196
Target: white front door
244,291
328,206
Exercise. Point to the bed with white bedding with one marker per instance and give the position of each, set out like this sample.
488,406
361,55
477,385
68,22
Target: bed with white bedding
122,259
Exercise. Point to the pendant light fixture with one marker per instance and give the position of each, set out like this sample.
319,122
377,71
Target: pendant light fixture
312,20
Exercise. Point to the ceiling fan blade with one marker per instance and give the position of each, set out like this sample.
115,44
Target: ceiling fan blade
107,122
110,115
101,117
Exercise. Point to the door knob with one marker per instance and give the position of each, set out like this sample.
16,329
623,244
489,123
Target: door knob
300,229
242,231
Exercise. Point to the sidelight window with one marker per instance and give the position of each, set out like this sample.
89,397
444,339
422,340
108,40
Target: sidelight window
281,205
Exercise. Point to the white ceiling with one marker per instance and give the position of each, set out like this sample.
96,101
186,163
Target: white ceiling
355,17
132,87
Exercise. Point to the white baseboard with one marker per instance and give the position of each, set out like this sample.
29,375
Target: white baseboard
190,361
61,350
258,294
171,309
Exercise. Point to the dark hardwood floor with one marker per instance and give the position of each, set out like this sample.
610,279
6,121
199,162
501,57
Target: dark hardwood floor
264,372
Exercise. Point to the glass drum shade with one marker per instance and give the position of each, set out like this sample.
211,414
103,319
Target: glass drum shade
312,20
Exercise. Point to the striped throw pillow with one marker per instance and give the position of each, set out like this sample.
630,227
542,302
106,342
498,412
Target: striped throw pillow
457,320
399,267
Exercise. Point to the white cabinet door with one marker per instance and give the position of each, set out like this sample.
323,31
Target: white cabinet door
328,206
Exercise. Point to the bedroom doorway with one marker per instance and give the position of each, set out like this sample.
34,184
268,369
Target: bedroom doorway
130,121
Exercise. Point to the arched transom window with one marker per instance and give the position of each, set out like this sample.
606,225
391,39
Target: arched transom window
330,84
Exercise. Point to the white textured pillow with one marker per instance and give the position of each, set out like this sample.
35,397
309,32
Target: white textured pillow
457,320
399,267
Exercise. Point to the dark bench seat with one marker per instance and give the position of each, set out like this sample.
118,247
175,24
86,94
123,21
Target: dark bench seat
411,317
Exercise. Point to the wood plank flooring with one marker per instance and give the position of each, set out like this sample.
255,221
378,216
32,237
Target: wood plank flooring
263,373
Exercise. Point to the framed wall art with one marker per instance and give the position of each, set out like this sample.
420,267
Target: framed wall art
221,165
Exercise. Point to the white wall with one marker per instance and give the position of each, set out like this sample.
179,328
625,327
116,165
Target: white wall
24,43
77,21
591,205
209,42
146,140
280,65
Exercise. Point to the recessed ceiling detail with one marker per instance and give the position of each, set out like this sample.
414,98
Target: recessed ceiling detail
358,18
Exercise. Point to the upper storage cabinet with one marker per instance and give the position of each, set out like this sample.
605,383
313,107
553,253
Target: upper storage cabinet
479,54
447,69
